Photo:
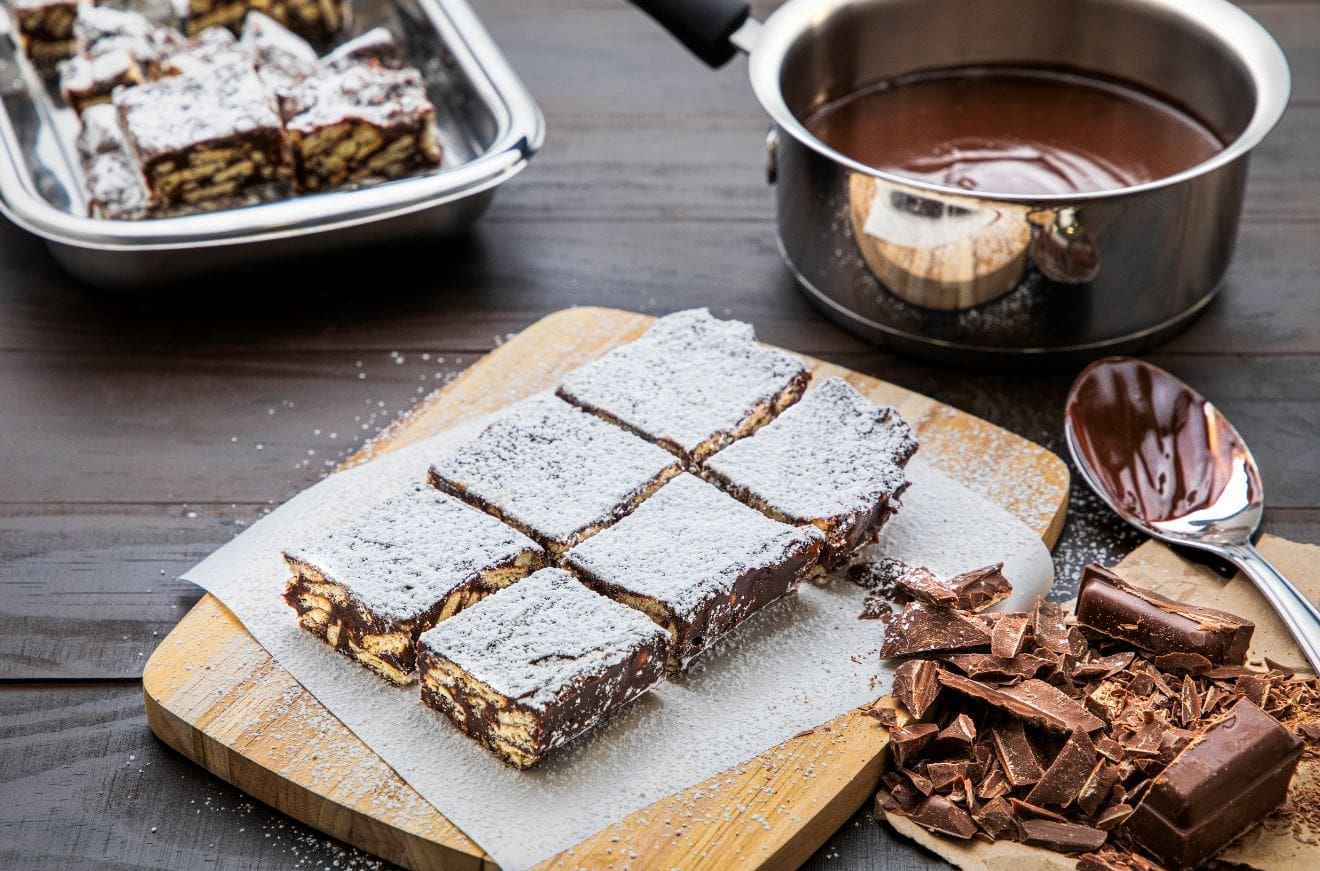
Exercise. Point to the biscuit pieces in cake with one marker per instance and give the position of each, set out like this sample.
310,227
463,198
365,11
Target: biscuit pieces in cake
691,383
697,561
835,459
554,471
371,588
537,664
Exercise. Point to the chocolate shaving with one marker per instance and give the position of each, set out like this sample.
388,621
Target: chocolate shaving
1061,837
980,588
923,628
1099,783
916,686
1049,627
1102,666
999,669
1032,701
905,742
995,818
942,816
1113,815
1063,780
1183,663
1009,635
956,738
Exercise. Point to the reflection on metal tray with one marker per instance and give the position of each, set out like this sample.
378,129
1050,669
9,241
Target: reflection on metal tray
489,128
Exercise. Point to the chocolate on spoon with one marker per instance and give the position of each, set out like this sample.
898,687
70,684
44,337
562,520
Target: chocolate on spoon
1172,465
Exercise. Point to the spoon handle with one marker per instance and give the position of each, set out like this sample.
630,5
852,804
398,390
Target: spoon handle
1301,617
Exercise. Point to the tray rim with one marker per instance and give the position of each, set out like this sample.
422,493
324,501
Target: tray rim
520,134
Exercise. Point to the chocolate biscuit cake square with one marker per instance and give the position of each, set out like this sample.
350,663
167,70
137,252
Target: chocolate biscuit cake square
115,186
88,80
204,135
834,460
691,383
537,664
360,123
314,19
45,29
697,561
554,472
370,589
99,30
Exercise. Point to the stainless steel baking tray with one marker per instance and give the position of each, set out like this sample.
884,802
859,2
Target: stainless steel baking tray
489,128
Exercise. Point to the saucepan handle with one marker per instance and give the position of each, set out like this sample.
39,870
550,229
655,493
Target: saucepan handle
704,26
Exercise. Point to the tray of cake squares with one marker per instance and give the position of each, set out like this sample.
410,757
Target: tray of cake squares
587,543
136,136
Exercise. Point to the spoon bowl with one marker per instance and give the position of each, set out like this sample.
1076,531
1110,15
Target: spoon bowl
1169,463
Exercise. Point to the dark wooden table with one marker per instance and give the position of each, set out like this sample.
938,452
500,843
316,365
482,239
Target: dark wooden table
137,434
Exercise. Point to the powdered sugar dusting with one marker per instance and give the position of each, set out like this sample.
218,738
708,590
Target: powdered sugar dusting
553,468
405,556
540,637
833,453
688,542
793,666
688,378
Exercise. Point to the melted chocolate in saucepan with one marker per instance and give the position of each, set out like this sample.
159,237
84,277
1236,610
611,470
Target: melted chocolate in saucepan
1014,130
1155,444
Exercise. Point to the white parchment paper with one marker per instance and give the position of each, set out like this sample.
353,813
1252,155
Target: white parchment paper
796,665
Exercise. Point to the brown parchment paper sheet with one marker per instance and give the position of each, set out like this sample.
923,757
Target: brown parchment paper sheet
1281,843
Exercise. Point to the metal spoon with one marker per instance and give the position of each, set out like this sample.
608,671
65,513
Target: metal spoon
1170,464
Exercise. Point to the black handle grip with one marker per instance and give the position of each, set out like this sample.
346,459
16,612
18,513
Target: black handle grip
704,26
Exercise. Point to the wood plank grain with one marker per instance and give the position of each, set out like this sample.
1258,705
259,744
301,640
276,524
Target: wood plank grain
85,785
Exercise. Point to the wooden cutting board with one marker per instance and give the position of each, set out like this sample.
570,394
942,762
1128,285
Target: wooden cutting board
215,695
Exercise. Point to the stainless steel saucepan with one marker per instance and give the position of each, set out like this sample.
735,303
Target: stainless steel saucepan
997,278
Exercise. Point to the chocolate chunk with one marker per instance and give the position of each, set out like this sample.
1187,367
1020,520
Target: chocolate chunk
878,574
1183,663
995,818
1027,810
1107,699
1050,628
1311,731
1103,666
1032,701
905,742
1009,635
1110,859
916,686
923,628
1063,780
980,588
1016,755
1061,837
1216,789
1103,776
1113,815
942,774
988,667
943,817
921,584
956,738
994,784
1145,619
1253,687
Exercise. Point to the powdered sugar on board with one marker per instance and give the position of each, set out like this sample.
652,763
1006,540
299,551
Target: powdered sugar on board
794,666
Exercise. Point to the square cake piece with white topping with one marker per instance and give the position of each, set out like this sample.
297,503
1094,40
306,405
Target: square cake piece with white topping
835,460
691,383
697,561
372,588
556,473
535,665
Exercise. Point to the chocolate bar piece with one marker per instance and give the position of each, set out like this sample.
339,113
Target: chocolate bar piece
691,384
88,80
1109,605
45,29
115,186
359,124
372,588
1222,784
556,473
282,57
1032,701
835,459
697,561
203,136
314,19
102,29
537,664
